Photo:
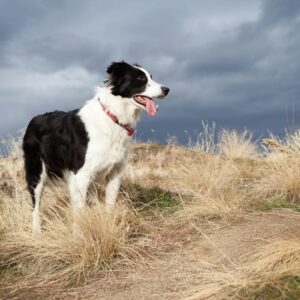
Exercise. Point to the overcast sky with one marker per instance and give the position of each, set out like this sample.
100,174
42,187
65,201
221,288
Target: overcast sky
234,62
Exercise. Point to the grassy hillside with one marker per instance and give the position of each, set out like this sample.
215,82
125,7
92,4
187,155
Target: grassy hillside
201,222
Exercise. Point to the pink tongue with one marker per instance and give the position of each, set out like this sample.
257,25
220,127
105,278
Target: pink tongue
150,107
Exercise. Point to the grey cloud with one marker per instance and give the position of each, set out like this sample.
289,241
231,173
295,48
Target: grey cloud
232,62
278,11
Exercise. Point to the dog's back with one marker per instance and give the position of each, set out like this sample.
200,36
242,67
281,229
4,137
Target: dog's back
57,139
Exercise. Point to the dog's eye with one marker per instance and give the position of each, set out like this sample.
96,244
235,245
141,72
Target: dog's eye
141,77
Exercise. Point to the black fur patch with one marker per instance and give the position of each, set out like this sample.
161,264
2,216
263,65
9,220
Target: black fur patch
59,139
126,80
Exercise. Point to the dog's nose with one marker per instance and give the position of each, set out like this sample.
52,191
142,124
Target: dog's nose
165,90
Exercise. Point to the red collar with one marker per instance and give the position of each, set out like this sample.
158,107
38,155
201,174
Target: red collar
130,130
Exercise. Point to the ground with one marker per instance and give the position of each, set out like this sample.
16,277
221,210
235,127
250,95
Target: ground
226,244
190,224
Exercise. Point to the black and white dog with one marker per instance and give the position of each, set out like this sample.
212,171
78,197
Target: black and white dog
76,145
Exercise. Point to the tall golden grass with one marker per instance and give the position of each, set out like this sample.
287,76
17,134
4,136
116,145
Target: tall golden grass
209,181
103,241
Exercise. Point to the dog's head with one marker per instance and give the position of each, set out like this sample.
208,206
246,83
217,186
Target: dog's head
136,85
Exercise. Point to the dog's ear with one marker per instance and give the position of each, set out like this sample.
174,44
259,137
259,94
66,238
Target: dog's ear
116,67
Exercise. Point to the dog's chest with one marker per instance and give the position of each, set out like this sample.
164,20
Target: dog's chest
104,152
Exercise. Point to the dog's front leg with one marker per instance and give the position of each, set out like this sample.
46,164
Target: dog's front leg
78,185
112,189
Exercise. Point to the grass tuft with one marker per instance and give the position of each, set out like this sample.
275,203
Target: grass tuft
237,145
61,254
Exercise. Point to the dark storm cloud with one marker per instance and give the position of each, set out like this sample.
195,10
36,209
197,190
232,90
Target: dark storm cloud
232,62
278,11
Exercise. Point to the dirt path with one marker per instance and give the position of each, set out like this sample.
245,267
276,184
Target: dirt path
166,276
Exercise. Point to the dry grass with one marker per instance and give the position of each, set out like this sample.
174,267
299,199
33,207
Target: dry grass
272,273
61,256
278,178
237,145
175,186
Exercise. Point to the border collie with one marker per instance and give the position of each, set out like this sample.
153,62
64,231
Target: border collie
75,145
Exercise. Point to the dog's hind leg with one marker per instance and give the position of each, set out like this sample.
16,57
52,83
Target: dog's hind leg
35,177
36,222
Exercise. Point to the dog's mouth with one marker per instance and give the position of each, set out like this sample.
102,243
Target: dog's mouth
147,103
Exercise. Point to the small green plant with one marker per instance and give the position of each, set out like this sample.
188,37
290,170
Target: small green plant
287,288
277,204
149,199
293,288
